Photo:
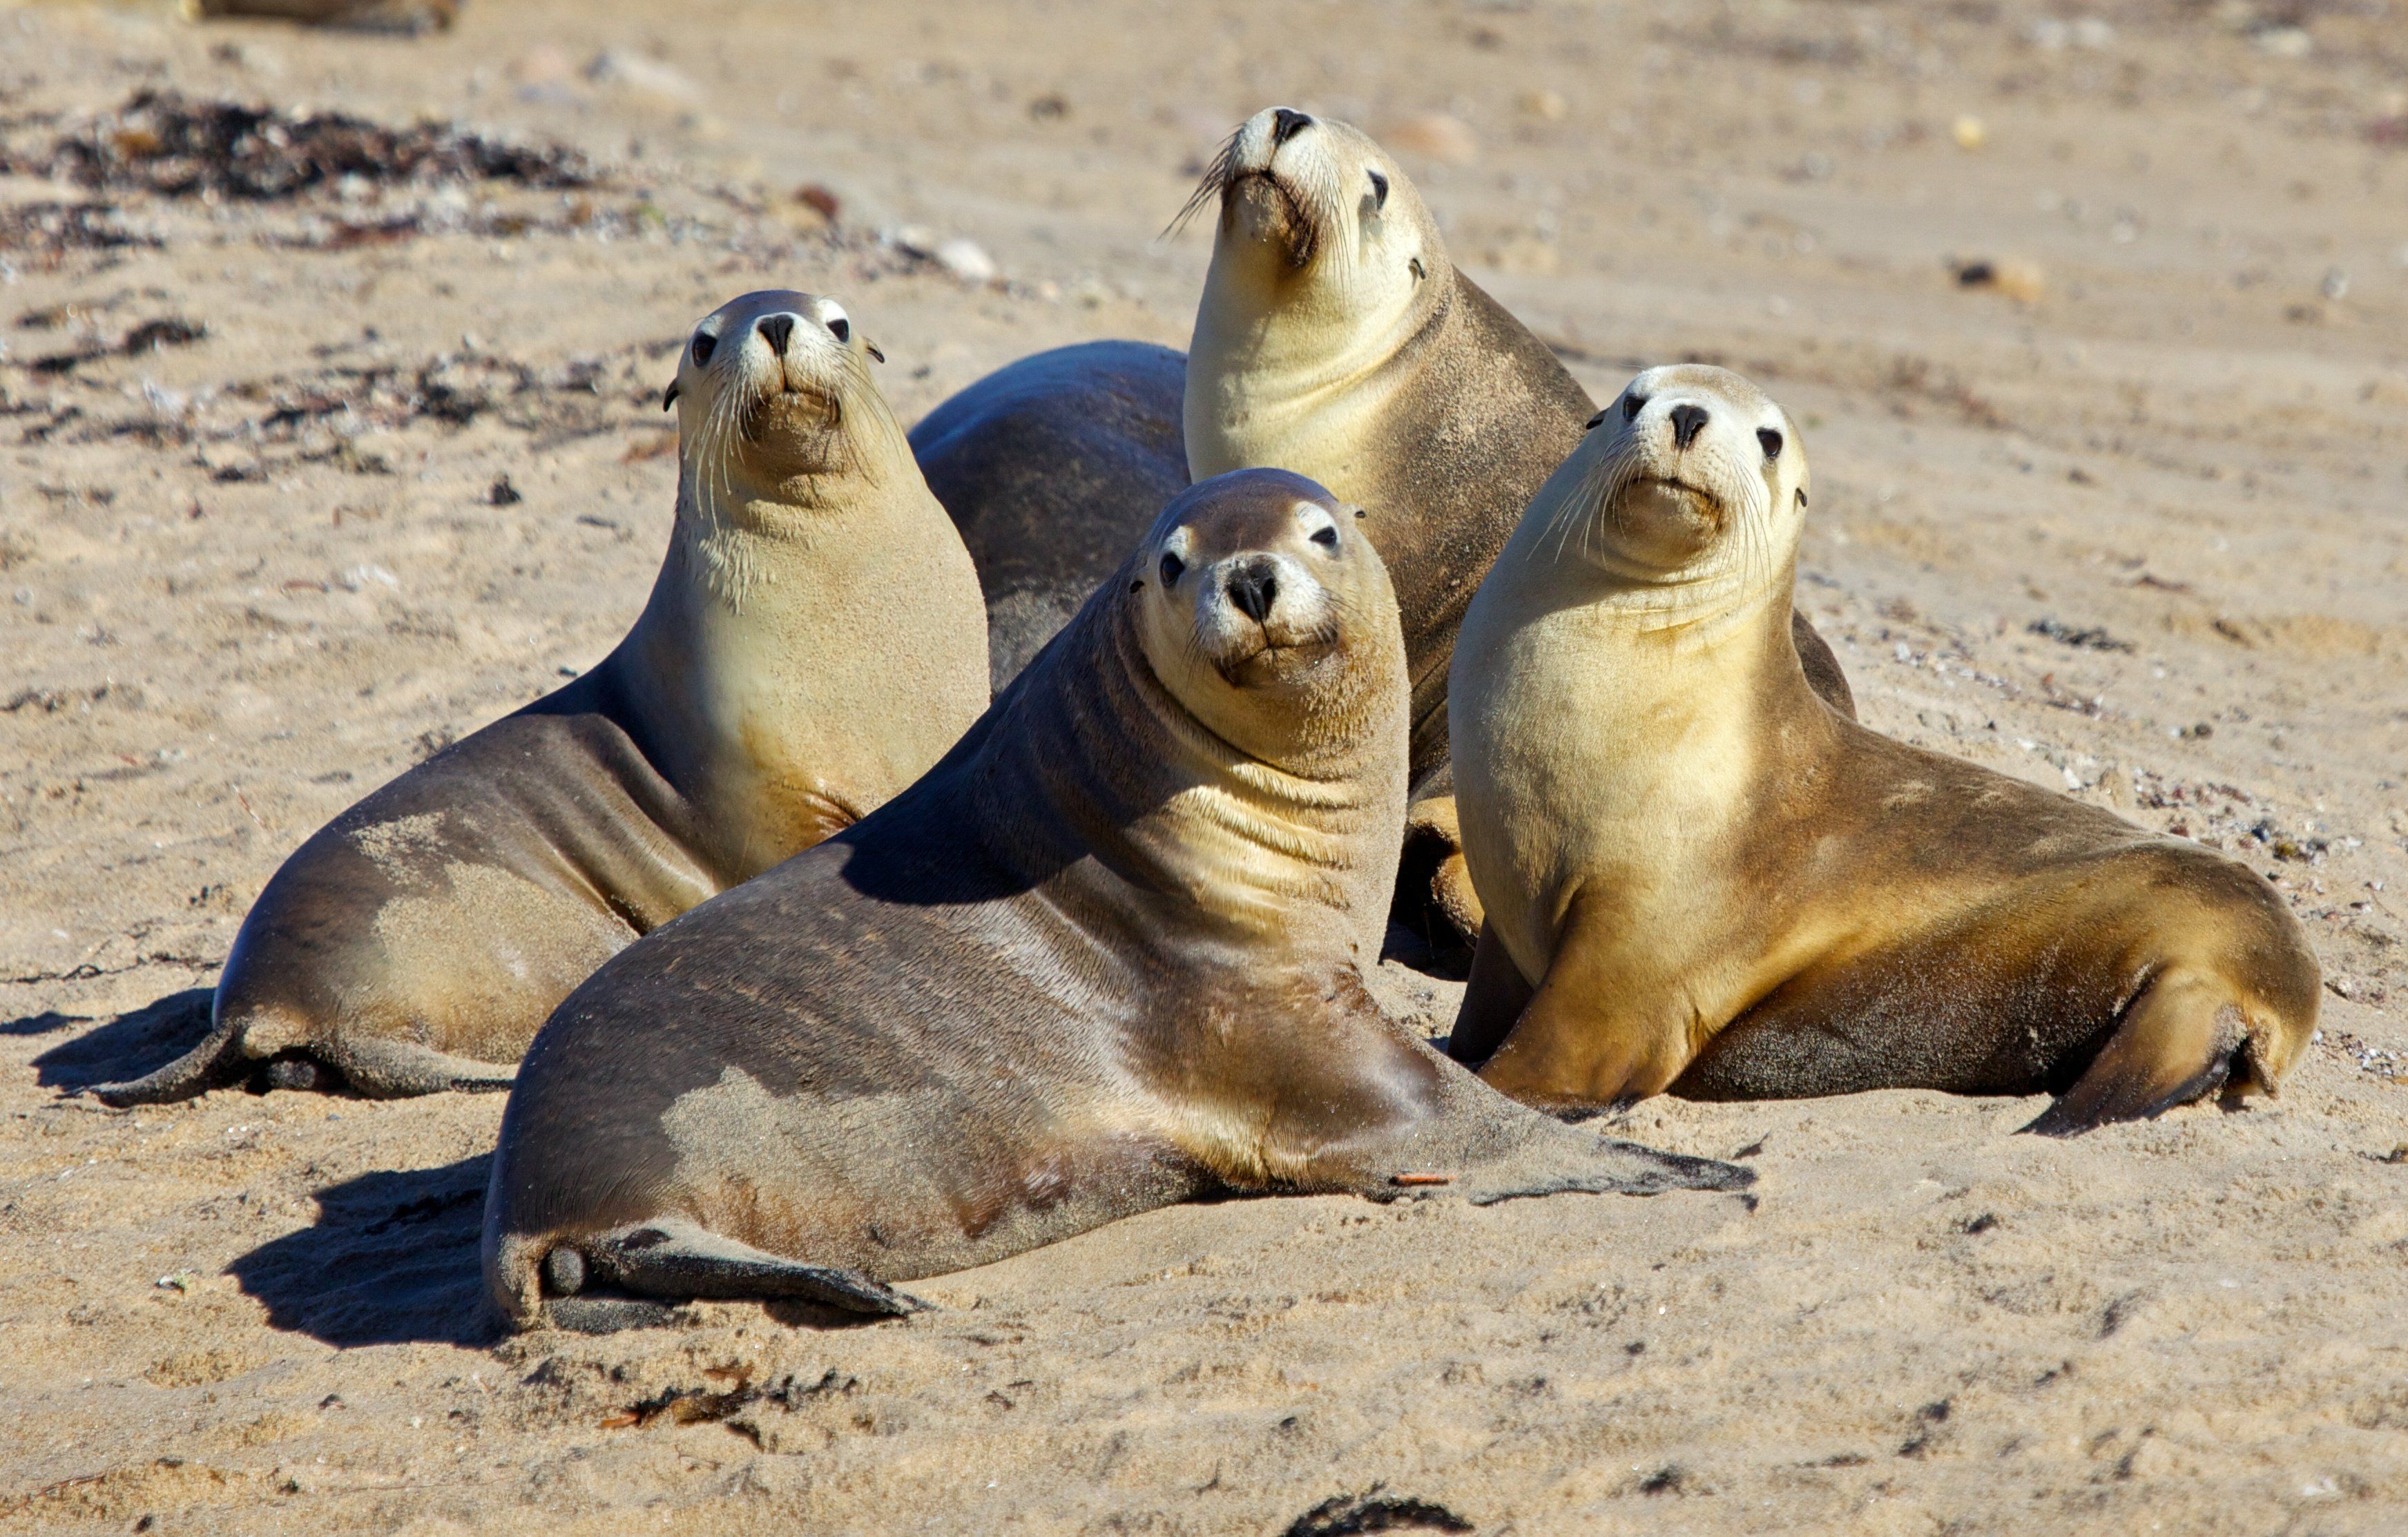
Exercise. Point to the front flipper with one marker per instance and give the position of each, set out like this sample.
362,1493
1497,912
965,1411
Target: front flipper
2176,1043
1492,1004
1579,1046
673,1257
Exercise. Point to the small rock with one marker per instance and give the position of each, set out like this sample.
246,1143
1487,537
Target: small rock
965,259
1546,105
1437,135
502,494
810,195
645,77
2286,42
2018,280
542,65
1969,132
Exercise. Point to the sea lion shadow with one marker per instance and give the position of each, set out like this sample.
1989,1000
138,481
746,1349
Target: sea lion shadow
123,1048
392,1260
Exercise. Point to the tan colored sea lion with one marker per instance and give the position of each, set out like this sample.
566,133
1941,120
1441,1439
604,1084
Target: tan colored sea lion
1107,955
1337,340
814,641
1699,877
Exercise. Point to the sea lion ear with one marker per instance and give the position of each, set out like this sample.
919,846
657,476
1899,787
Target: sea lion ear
669,397
871,348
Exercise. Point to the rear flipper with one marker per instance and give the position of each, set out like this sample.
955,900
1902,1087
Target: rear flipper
2179,1041
1563,1160
672,1257
382,1067
218,1061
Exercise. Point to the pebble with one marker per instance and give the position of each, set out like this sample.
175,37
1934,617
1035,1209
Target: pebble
1548,106
644,77
965,259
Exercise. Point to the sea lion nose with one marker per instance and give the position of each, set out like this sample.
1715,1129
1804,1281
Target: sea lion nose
1687,422
1253,588
776,330
1287,122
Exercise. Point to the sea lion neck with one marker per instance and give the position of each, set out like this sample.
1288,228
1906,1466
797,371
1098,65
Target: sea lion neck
1273,353
1097,758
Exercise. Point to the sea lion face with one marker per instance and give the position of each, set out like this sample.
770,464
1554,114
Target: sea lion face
1257,595
1317,212
1690,468
766,388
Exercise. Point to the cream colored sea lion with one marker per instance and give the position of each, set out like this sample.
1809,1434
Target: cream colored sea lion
1699,877
1107,955
814,641
1337,340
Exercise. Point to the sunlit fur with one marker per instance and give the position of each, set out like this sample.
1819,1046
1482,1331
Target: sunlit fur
1691,525
762,438
1705,878
1317,282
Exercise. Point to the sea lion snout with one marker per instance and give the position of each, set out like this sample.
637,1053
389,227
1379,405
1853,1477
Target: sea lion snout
1248,569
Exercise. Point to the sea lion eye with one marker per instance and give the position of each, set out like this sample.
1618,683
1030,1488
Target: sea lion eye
1771,441
1172,569
1379,191
1590,426
1326,538
703,344
1632,406
840,327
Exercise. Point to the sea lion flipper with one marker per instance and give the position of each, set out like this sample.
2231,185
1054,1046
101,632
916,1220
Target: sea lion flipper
1821,665
216,1062
1492,1002
670,1256
2175,1043
382,1067
1581,1162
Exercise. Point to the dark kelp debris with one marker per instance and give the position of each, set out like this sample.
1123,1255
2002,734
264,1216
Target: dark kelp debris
2089,638
1343,1515
164,143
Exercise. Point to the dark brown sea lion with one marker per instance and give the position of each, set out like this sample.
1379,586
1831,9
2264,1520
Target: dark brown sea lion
1107,955
1049,466
1699,877
415,943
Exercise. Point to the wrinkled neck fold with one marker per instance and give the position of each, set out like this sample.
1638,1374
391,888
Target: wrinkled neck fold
1101,759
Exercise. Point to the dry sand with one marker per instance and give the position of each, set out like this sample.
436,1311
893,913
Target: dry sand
245,578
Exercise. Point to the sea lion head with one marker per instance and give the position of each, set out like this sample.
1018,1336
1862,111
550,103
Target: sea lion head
773,396
1691,472
1313,213
1267,614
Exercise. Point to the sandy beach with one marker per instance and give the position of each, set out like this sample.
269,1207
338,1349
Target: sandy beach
2096,323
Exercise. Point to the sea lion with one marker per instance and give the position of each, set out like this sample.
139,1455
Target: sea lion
1051,468
1699,877
1107,955
416,942
1338,339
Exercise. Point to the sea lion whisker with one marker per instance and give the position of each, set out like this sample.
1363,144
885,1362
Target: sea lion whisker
1217,177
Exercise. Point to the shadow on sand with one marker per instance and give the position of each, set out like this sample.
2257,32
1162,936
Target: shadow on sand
392,1260
126,1047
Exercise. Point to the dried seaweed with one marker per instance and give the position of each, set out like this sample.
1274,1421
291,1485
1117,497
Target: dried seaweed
164,143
